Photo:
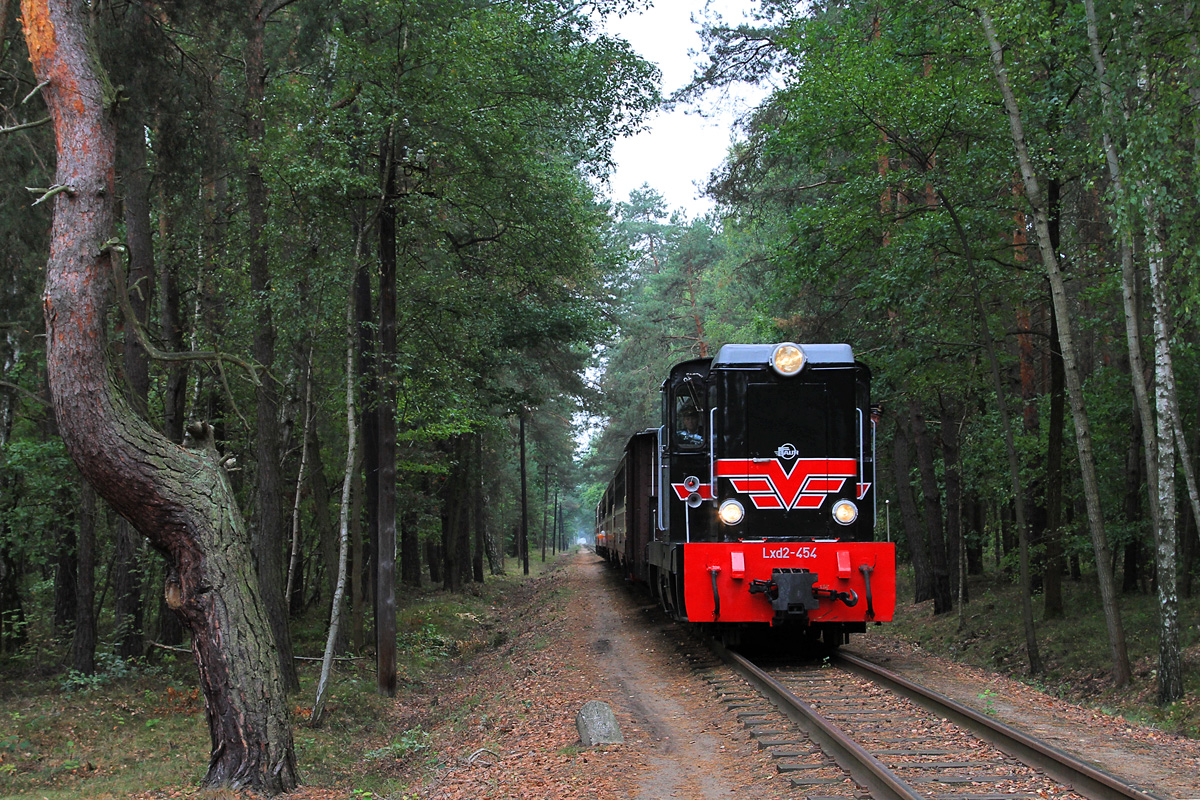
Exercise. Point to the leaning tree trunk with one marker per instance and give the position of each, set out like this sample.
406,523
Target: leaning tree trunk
178,497
1122,672
336,607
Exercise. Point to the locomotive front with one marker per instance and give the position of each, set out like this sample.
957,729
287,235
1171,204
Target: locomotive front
766,496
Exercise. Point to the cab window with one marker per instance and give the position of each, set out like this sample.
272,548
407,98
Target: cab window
689,425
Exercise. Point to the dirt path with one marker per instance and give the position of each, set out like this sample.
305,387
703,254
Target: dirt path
579,634
694,750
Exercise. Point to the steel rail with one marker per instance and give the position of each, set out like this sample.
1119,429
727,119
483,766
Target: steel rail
863,767
1060,765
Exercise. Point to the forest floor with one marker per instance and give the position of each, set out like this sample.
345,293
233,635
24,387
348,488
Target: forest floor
491,682
1074,650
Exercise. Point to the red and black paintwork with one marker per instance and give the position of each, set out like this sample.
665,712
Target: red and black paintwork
787,448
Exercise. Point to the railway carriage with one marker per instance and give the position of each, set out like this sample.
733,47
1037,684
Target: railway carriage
752,506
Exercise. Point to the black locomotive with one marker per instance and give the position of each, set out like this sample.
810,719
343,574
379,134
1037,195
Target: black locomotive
752,506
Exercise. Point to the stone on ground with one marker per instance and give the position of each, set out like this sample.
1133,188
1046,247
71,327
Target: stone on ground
597,724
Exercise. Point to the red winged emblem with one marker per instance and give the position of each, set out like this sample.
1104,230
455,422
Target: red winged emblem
681,491
806,485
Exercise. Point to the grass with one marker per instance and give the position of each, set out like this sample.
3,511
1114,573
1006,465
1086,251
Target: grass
140,728
1074,650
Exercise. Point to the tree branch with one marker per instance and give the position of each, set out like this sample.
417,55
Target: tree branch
25,125
35,90
162,355
57,188
28,395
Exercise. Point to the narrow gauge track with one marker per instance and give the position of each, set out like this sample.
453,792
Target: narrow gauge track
901,741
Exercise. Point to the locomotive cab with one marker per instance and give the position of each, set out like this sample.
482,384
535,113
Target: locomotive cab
765,492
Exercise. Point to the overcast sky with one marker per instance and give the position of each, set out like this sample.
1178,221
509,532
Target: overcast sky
681,148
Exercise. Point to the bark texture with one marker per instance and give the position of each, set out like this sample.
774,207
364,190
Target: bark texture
176,496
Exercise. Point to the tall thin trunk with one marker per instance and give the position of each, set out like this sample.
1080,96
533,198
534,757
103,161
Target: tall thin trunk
127,578
1168,429
1129,294
554,545
385,543
951,422
318,485
1083,436
546,508
83,646
909,517
369,419
269,528
480,507
433,557
306,414
523,545
1170,658
127,591
451,515
930,491
171,333
494,548
465,515
358,636
335,613
1052,578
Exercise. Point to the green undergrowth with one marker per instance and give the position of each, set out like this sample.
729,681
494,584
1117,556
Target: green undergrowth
138,730
1077,661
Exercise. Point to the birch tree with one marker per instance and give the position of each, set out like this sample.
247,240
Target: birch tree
1160,422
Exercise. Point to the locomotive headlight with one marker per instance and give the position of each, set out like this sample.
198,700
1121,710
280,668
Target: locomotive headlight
787,359
731,512
845,512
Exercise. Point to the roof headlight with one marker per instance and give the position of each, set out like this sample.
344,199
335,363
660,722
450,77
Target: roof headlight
731,512
787,359
844,512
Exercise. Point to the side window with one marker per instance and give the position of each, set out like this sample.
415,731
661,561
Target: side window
689,424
